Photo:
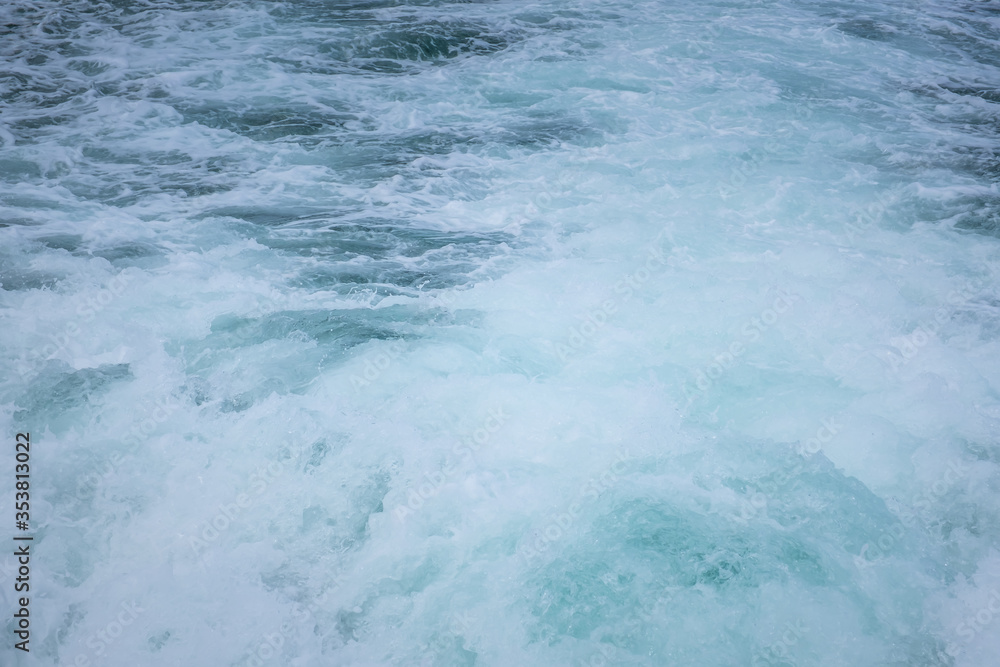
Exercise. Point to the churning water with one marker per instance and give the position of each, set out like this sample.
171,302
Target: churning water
572,332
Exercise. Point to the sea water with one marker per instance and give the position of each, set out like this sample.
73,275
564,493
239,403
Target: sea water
570,332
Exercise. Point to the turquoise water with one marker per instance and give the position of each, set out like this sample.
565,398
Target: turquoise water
500,333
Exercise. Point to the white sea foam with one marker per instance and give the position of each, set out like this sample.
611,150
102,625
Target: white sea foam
483,333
